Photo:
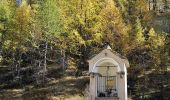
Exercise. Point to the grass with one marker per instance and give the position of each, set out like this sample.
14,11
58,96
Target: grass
59,87
66,88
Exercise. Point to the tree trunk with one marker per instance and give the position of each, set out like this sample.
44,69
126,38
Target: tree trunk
45,61
154,5
149,4
19,63
63,60
13,64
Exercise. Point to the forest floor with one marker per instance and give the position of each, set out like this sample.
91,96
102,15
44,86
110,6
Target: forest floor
67,87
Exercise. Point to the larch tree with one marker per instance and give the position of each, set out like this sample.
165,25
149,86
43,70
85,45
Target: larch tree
7,11
113,28
21,33
49,21
139,9
139,35
82,21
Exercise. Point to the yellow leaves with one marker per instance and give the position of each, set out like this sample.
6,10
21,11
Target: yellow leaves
113,27
139,36
88,42
19,26
8,44
111,17
4,9
97,37
75,36
148,17
110,4
155,39
142,5
152,33
82,20
110,12
23,18
23,11
161,41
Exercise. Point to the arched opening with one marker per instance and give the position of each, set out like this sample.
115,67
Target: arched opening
106,80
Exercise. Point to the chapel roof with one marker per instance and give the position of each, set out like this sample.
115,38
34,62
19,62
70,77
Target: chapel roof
107,47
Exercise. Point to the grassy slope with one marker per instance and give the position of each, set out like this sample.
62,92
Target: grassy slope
58,87
70,88
67,87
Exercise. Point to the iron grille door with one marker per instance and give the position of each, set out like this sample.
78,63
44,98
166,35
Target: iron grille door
106,86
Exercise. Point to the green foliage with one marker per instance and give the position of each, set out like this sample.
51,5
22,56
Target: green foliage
82,16
49,18
6,17
76,29
5,10
139,36
155,40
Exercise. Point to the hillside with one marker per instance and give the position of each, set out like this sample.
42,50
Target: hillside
67,87
45,46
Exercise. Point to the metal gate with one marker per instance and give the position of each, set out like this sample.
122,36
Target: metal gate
106,86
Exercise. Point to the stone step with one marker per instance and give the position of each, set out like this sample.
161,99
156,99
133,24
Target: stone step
107,98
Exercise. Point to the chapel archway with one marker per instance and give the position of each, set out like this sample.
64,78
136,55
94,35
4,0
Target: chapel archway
106,81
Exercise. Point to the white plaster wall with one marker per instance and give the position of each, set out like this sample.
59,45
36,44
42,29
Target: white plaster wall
92,88
115,60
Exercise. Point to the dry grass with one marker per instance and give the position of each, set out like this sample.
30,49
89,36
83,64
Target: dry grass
13,94
75,97
66,88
